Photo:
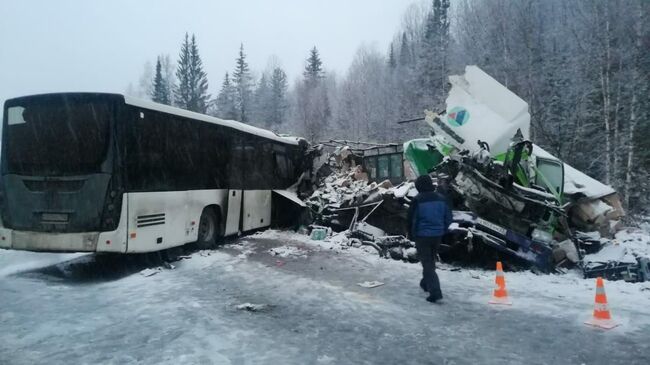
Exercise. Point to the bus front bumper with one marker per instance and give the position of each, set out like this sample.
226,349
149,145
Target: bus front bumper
48,242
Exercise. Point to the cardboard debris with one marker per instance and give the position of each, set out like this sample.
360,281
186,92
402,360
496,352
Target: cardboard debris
150,272
250,307
370,284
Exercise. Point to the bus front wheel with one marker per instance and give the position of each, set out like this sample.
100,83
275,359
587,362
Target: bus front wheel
208,229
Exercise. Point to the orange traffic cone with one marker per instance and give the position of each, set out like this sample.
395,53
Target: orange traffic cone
601,317
500,295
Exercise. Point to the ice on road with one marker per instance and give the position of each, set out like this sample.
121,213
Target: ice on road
308,309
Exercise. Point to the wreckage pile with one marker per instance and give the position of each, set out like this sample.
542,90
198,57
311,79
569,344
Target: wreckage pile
512,200
351,211
626,256
347,202
373,238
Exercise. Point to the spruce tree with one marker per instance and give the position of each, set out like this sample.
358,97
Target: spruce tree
314,69
242,83
392,63
431,67
279,103
262,103
160,91
167,70
226,107
404,51
313,109
191,93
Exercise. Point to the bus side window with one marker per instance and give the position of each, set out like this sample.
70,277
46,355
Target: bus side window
265,163
147,161
182,154
214,152
281,170
254,161
236,163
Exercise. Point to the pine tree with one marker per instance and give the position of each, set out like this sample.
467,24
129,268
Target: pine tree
167,70
191,93
262,103
391,57
404,51
443,46
225,102
160,91
313,107
279,103
242,83
432,66
314,69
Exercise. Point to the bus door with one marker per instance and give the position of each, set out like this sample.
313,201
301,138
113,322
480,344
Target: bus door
233,212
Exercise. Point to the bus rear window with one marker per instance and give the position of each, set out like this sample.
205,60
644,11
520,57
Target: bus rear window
56,136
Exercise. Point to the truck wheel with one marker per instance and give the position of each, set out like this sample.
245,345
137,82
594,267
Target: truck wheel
208,229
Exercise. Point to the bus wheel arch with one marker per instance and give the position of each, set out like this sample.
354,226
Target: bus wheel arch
210,227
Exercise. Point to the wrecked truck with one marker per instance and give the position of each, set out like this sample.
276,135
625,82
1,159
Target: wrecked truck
513,200
522,200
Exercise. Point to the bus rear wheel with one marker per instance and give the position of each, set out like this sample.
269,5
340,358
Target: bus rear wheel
208,229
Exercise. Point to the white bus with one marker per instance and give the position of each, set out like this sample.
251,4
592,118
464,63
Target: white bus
95,172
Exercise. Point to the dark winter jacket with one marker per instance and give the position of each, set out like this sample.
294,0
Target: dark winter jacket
428,215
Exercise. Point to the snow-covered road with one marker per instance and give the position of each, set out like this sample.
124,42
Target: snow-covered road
315,312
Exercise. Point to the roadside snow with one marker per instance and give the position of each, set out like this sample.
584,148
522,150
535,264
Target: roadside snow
568,294
12,262
635,240
221,307
628,245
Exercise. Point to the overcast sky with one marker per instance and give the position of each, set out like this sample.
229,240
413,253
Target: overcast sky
80,45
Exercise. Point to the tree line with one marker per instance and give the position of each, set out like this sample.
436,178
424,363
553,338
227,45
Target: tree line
582,65
265,101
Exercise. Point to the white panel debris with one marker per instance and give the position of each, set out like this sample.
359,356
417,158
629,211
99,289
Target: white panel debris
480,108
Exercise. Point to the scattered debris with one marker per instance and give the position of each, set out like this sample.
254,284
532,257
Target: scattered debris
253,307
626,257
150,272
370,284
287,251
318,233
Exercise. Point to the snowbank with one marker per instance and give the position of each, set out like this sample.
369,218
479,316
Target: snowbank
628,245
12,262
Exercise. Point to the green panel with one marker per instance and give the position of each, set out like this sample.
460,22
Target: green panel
420,156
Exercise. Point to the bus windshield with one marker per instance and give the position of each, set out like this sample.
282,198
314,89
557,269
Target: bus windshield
54,136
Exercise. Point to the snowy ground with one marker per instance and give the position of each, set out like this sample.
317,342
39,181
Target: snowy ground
277,297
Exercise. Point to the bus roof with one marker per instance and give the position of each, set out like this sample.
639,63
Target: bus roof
146,104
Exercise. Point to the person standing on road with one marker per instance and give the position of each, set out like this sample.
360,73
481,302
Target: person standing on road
429,216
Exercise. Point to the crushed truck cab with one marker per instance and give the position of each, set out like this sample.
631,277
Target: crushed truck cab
527,203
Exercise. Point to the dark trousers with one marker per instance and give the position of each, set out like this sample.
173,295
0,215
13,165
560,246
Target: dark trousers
427,248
